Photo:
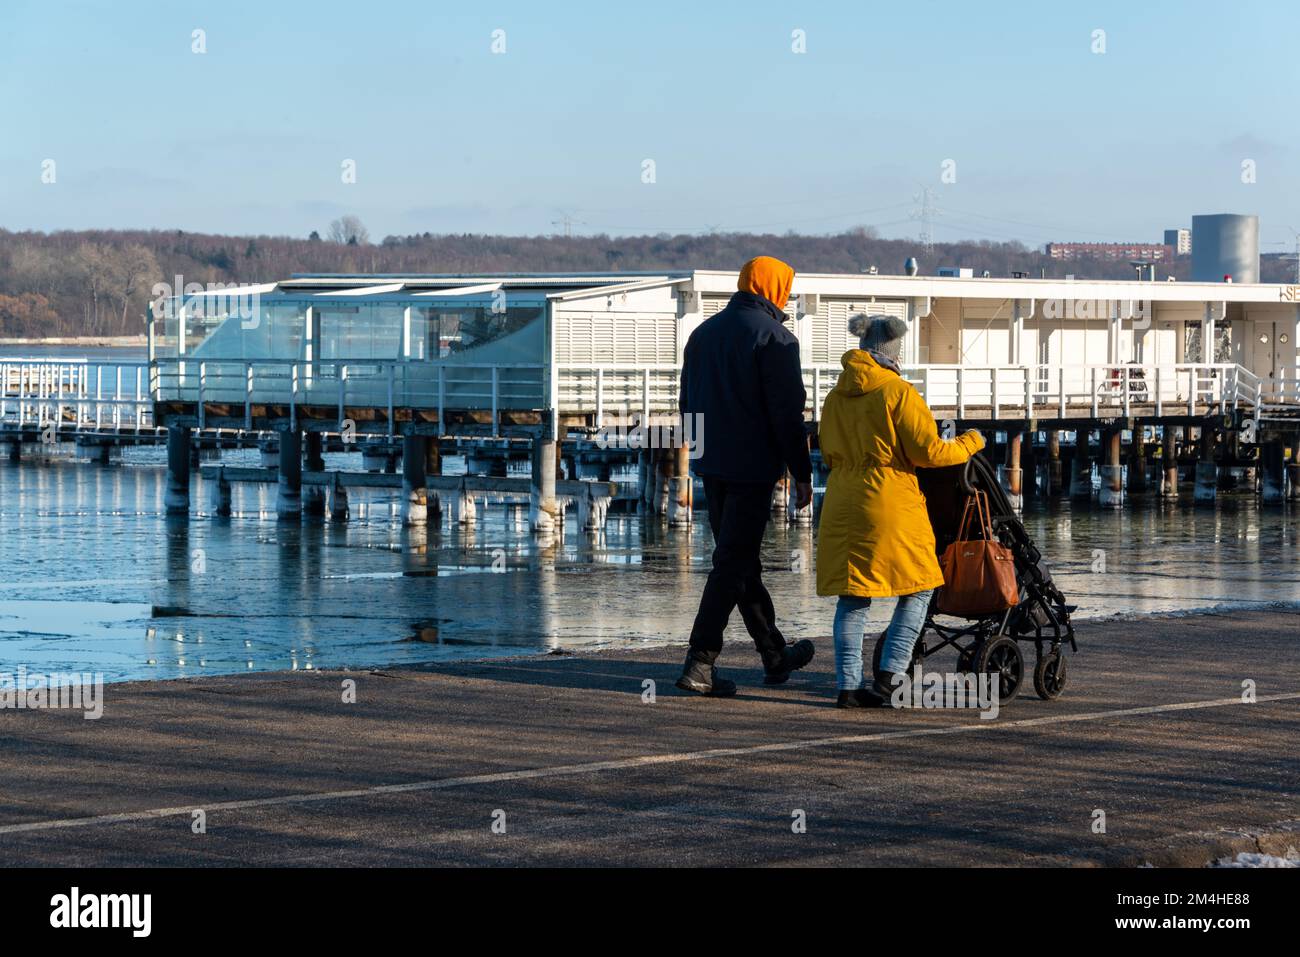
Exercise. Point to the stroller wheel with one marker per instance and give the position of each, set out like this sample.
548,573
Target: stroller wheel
1002,657
1049,675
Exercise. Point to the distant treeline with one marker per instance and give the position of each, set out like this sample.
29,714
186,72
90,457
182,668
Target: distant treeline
99,282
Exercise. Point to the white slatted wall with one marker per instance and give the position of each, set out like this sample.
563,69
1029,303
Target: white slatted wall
615,337
830,326
712,305
830,336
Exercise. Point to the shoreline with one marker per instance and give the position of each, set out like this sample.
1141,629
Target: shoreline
1219,611
405,766
596,651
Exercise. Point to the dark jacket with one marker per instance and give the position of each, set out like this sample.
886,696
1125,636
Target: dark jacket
741,375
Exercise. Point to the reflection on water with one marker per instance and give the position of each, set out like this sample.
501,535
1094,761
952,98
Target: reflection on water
95,577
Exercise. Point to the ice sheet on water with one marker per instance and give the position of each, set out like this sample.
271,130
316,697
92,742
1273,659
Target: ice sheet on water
89,549
1247,859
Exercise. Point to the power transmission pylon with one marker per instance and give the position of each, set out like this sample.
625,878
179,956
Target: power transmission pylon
926,211
568,222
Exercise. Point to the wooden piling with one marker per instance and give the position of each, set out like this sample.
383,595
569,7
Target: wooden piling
593,509
219,501
176,500
288,500
1030,454
463,509
1054,462
1081,467
544,511
1012,474
1207,469
433,466
1169,441
1137,461
663,458
644,477
1038,468
339,510
313,496
313,451
1272,486
680,494
566,466
1111,493
414,503
650,490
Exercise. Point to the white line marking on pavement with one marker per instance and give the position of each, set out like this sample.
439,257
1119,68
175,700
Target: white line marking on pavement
621,764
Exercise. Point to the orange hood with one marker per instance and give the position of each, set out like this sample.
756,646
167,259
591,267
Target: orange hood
767,277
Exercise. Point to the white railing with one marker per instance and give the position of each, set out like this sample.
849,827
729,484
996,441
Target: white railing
1282,389
619,391
993,390
74,394
80,395
1071,390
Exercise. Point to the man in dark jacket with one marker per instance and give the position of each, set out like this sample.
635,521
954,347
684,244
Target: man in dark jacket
742,386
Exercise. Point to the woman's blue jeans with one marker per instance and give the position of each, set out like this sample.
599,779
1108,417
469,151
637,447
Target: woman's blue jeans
900,638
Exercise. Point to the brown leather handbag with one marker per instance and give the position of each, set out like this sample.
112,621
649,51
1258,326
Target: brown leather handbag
979,574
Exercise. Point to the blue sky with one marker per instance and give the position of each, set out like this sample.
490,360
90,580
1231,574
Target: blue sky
1050,140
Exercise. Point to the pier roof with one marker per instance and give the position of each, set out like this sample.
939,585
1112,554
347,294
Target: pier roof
946,287
716,281
541,282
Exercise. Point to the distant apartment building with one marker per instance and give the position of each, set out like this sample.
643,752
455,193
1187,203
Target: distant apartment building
1180,240
1117,252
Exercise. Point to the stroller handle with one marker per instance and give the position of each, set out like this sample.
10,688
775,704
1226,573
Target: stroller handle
967,485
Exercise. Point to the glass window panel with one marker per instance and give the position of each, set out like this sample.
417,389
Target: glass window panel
284,330
241,327
466,328
363,331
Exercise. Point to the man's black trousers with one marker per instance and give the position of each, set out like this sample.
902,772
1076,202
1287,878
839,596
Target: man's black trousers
738,515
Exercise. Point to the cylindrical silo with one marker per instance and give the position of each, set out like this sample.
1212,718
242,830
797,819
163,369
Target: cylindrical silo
1225,244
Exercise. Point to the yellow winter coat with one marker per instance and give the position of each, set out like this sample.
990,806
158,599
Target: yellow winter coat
875,537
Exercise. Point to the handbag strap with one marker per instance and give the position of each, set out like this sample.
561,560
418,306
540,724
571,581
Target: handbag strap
986,516
978,504
965,518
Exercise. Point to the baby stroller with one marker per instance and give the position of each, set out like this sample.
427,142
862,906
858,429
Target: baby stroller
991,643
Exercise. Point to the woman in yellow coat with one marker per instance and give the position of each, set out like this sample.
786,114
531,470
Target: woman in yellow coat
875,539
